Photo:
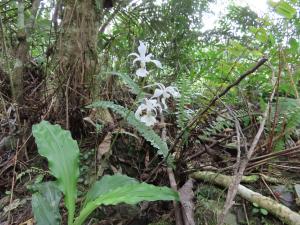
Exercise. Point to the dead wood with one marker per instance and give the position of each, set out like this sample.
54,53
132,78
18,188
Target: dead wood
282,212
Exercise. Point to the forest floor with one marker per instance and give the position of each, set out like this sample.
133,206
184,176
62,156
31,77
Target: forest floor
208,149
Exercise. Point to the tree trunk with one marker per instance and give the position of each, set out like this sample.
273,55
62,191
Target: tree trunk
21,57
77,61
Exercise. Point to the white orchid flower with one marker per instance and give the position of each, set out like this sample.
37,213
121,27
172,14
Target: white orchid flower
147,111
165,92
143,58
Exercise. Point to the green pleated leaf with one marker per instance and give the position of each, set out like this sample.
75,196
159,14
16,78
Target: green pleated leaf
145,131
45,204
122,189
62,153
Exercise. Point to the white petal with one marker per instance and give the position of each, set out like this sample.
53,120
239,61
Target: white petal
173,91
134,54
166,94
157,93
139,110
141,72
157,63
142,49
152,106
161,86
148,57
143,106
150,85
163,100
138,113
149,120
152,102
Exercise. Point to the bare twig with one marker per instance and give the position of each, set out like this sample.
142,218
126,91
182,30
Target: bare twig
13,183
245,211
270,190
177,210
293,150
233,188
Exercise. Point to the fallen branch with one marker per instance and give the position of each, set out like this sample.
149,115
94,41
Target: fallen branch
187,202
289,151
284,213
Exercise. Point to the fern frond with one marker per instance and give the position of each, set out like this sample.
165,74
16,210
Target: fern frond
289,114
183,115
145,131
218,125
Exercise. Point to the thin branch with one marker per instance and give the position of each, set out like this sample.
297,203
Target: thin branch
200,113
233,187
215,99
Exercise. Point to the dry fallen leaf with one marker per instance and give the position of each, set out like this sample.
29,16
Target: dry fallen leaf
28,222
103,154
104,147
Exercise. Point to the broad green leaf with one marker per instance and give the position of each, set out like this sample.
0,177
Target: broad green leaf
62,153
283,8
145,131
105,184
45,204
122,189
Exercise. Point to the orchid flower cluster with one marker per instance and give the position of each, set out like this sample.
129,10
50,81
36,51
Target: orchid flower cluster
149,109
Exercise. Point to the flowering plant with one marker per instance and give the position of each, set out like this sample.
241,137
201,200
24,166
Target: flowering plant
148,110
151,106
165,92
143,59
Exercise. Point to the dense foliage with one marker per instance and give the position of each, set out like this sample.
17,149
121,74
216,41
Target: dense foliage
147,90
